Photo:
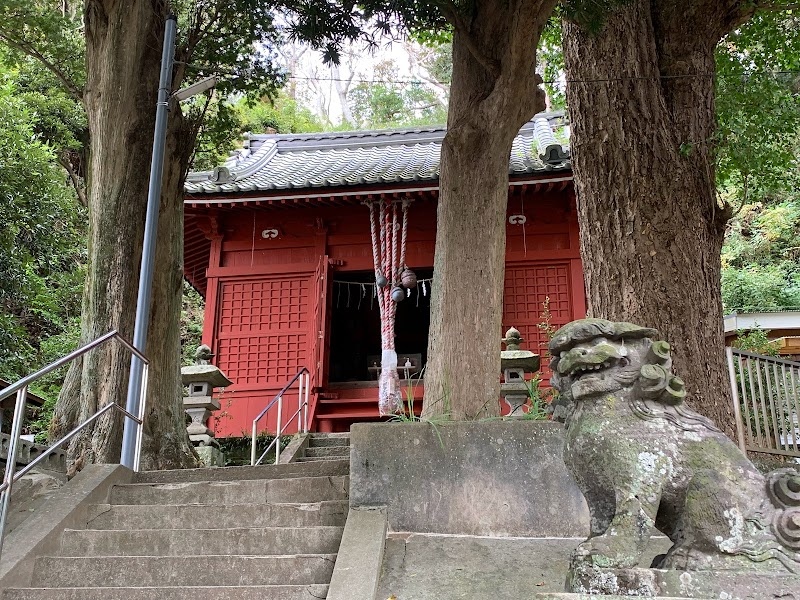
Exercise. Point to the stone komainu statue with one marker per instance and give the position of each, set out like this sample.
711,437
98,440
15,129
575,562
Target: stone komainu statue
641,457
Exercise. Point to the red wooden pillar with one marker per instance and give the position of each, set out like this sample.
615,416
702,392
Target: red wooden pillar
212,232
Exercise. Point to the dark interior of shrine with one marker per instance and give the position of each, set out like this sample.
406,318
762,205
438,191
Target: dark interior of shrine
355,351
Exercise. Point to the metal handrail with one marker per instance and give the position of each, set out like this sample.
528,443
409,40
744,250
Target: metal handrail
21,389
305,378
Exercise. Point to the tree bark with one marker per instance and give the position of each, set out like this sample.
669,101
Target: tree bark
641,98
123,55
494,92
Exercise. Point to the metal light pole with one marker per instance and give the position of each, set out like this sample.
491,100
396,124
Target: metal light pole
149,245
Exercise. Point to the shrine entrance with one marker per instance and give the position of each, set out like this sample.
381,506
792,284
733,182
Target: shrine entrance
355,333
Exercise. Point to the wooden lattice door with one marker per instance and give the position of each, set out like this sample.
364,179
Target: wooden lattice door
266,330
527,286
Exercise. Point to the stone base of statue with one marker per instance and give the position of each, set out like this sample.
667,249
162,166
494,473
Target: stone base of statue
210,456
731,585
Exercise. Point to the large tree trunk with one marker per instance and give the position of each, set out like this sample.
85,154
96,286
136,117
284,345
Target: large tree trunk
494,92
641,98
123,55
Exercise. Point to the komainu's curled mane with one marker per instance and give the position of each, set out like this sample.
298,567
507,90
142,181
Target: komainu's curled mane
643,458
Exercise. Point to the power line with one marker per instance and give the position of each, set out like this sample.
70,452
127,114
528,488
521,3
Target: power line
597,80
550,82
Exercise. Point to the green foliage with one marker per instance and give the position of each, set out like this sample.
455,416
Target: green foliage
42,251
539,399
283,115
760,259
192,309
237,449
550,58
44,31
380,105
757,341
225,123
758,107
439,61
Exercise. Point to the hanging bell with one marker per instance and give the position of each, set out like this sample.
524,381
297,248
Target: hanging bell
408,278
398,294
380,280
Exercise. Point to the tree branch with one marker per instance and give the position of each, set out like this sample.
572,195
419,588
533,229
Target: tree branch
25,48
64,161
451,14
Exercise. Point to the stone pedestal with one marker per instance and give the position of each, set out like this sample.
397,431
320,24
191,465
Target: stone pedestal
199,408
515,363
201,379
210,456
650,583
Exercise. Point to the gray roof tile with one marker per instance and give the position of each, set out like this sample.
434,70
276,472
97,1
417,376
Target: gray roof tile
294,161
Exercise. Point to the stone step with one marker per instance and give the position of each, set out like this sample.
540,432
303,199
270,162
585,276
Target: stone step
312,459
172,571
280,471
319,441
180,516
568,596
294,489
262,592
337,452
206,542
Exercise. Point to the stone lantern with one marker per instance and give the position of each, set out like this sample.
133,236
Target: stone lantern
515,363
201,379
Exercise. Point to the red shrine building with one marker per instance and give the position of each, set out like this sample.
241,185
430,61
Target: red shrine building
278,242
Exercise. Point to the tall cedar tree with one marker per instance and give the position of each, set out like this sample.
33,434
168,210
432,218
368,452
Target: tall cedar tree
641,96
494,91
123,42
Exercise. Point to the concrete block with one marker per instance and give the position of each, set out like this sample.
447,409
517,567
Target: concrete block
279,471
262,592
329,439
132,516
566,596
358,565
443,567
154,571
728,584
296,448
496,478
240,541
293,489
210,456
67,508
338,452
29,494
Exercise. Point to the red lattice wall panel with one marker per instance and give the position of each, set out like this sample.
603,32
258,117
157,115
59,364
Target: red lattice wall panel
265,329
526,288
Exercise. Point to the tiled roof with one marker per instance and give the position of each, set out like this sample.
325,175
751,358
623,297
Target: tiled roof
294,161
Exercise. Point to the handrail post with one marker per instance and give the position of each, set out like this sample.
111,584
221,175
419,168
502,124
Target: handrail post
300,403
11,459
253,445
278,428
137,456
305,412
735,393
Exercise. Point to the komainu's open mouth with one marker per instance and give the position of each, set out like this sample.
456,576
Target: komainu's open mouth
582,369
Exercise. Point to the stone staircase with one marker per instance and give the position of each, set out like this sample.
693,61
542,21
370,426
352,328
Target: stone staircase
326,447
270,532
